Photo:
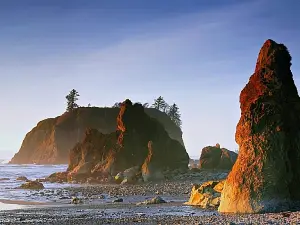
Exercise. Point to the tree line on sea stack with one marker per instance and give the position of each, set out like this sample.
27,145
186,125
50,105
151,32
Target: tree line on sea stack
160,104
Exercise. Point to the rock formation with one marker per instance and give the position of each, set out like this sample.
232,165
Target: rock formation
50,141
32,185
266,175
139,140
206,195
215,157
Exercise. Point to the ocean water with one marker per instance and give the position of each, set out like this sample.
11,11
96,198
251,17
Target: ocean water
8,188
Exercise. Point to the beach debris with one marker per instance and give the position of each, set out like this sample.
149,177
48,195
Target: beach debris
155,200
32,185
3,179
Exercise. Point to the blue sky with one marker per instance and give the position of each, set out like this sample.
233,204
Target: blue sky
199,54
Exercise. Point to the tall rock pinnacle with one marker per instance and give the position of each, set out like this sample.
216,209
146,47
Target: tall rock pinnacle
266,174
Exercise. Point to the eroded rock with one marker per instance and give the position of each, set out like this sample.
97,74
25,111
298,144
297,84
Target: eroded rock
59,177
32,185
266,175
50,141
206,195
128,147
215,157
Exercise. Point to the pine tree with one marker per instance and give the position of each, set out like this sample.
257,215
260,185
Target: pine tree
160,104
174,114
72,97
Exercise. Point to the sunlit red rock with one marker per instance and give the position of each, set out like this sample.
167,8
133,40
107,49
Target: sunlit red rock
266,175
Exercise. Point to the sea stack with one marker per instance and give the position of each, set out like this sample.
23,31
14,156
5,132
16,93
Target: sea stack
139,141
50,141
266,175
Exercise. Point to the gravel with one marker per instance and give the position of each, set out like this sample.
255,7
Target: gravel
175,192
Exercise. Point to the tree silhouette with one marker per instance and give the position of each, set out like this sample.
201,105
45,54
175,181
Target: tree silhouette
174,114
72,97
160,104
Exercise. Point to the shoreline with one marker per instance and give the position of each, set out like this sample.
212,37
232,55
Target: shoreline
99,207
124,213
20,202
8,205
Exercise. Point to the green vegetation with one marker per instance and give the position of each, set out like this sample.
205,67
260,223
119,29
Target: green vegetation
160,104
173,113
72,97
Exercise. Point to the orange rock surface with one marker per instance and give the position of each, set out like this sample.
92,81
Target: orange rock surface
266,175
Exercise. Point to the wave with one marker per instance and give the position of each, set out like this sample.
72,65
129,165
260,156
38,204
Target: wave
4,161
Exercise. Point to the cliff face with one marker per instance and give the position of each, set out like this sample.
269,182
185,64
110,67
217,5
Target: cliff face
52,139
266,175
138,140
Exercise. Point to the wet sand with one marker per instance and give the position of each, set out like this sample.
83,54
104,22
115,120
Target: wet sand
122,213
18,204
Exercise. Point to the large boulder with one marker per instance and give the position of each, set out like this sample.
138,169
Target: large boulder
139,140
128,176
32,185
266,175
50,141
206,195
215,157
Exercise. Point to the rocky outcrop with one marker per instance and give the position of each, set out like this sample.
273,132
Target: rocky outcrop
151,170
50,141
129,176
266,175
139,141
206,195
215,157
32,185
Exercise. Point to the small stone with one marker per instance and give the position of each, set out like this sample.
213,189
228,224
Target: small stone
118,200
156,200
76,200
22,178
